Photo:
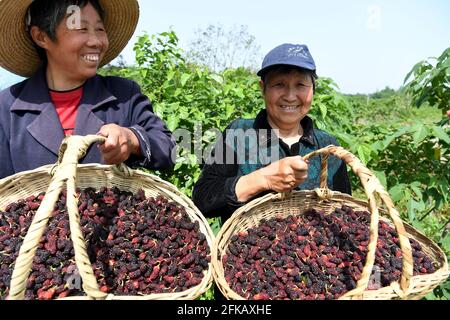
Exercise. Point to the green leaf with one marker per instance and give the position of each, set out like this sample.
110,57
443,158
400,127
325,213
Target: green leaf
412,207
170,75
345,139
441,134
377,146
414,70
417,190
215,225
382,177
445,243
229,110
417,224
239,92
323,110
144,73
364,153
192,159
184,78
404,130
430,296
172,122
397,192
446,293
420,135
177,166
199,72
407,194
217,78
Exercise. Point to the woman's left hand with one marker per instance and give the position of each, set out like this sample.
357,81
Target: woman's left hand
119,145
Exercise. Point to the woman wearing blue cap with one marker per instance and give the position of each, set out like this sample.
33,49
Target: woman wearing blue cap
256,156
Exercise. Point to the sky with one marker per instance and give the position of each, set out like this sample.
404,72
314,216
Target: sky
362,45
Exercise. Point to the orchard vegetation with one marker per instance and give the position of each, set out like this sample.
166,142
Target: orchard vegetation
401,135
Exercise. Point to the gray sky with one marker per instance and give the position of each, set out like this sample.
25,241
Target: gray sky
363,45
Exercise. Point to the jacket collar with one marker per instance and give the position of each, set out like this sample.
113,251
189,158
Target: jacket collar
35,95
306,123
46,127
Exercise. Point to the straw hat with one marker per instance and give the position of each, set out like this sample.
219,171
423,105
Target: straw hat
17,53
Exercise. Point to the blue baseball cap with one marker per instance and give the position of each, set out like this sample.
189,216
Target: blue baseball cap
288,54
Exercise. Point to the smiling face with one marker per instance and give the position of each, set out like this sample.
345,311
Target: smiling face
288,97
76,53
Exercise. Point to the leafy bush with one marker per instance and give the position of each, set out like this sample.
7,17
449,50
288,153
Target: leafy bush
431,83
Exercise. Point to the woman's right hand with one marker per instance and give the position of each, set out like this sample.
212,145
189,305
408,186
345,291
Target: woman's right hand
285,174
281,176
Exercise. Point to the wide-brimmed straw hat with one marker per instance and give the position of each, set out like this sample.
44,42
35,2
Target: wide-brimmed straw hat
17,53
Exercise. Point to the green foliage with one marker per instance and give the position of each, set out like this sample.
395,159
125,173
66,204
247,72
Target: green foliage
385,93
409,151
408,148
431,83
191,97
208,295
329,106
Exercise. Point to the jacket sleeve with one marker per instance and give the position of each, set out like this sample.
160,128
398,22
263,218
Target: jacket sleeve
154,137
6,167
214,193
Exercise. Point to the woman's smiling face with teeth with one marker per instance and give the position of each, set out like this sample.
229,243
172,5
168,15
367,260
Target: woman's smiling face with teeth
288,97
78,50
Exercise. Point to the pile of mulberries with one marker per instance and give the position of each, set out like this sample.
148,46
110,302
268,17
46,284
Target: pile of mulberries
314,256
137,245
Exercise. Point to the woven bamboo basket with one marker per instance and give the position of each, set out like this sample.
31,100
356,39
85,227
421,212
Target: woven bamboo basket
52,179
282,205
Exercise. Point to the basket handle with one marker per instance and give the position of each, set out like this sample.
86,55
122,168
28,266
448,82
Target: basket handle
72,149
371,186
78,146
24,261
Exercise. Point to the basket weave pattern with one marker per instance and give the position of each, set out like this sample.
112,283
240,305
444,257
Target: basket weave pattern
67,172
295,203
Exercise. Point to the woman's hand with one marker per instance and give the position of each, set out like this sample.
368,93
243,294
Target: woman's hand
285,174
281,176
119,145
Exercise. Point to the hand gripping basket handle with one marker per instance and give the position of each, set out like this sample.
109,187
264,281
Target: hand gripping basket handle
72,149
371,186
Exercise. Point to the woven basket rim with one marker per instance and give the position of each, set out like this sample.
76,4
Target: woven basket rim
169,191
253,207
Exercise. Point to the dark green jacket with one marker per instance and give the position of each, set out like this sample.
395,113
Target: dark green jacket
248,145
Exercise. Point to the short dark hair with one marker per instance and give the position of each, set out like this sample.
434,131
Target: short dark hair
286,69
48,14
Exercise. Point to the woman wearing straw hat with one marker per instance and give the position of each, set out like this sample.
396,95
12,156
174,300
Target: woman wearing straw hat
60,45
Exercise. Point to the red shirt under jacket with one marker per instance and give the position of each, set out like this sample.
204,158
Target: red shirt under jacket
66,103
